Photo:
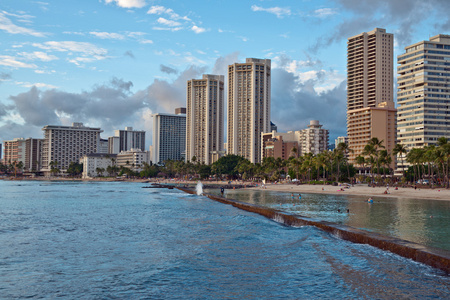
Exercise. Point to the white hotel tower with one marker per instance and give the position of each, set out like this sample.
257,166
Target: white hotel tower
248,107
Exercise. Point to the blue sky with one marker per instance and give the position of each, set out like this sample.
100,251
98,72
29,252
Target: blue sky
112,63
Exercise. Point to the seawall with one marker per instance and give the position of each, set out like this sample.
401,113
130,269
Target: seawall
436,258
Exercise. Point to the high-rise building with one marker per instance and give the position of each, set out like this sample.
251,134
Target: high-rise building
249,88
423,95
33,150
340,139
65,144
15,151
370,105
124,140
313,139
205,118
169,137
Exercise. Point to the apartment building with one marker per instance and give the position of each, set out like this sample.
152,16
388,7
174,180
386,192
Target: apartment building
133,159
15,151
95,161
169,136
204,118
249,88
313,139
280,144
370,90
66,144
423,95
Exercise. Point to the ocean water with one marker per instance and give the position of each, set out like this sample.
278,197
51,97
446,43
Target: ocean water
119,241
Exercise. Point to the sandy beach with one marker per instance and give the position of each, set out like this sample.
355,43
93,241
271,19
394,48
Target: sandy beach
363,190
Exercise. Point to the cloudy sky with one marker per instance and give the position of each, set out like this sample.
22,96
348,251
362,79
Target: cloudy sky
112,63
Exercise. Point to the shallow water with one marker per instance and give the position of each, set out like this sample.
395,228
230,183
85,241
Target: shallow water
426,222
117,240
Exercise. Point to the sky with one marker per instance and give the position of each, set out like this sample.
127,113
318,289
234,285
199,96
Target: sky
113,63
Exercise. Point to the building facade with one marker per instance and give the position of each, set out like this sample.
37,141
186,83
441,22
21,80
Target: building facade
65,144
370,86
15,151
249,89
280,145
204,118
340,139
33,150
94,161
133,159
314,139
169,137
125,140
423,95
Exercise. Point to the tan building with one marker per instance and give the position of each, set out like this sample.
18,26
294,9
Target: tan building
249,88
424,92
15,151
370,81
365,123
280,145
133,159
204,118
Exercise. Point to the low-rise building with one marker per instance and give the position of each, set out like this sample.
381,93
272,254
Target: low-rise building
314,139
280,145
133,159
95,162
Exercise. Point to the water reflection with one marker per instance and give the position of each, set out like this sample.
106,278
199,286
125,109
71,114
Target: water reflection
426,222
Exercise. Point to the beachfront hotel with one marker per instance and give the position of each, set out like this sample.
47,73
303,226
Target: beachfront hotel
249,88
370,107
423,94
169,136
66,144
205,118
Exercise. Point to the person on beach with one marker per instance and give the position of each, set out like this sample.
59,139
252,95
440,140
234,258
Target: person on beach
222,190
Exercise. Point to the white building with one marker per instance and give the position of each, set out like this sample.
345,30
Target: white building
169,136
92,162
133,159
66,144
125,140
205,118
249,88
314,139
340,139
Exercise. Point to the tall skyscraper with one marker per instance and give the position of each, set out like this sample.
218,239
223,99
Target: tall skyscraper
205,118
169,137
124,140
370,107
66,144
249,87
423,95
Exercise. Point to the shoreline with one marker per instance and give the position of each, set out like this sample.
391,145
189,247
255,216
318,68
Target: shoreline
362,190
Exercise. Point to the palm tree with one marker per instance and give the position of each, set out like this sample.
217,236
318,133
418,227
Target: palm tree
400,150
377,144
345,149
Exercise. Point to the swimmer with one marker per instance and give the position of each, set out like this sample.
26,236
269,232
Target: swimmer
339,210
299,196
348,210
370,200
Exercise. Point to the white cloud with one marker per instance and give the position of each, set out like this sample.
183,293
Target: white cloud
158,10
167,28
278,11
8,26
128,3
37,84
11,61
71,46
135,34
166,22
108,35
324,12
197,29
146,41
37,55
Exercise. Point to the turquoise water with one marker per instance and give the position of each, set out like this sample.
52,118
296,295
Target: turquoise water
426,222
118,240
